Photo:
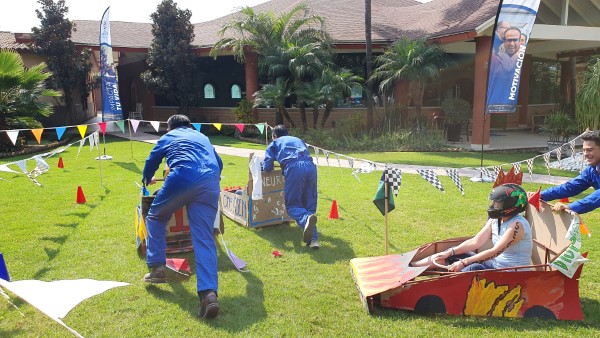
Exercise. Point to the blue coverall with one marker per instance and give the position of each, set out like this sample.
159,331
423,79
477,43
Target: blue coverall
589,177
300,173
193,181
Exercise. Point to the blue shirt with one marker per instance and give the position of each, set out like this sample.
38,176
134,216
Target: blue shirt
589,177
285,149
184,147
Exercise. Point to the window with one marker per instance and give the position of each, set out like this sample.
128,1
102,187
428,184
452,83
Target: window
236,93
356,92
209,91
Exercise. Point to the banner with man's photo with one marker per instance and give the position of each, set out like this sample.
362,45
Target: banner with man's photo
111,101
512,29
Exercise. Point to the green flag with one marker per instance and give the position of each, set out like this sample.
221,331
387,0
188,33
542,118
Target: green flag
379,199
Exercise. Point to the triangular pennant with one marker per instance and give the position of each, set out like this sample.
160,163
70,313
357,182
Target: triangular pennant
178,265
326,156
121,125
81,143
535,199
547,161
38,134
60,131
453,174
240,127
430,176
102,126
261,127
394,178
316,154
134,124
82,129
13,134
217,125
22,164
530,168
198,126
156,125
351,162
572,146
559,156
40,166
5,168
517,167
337,157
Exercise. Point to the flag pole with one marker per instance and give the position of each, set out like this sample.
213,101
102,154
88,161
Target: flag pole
386,200
100,160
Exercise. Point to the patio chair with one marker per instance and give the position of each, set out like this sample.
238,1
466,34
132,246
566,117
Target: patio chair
137,114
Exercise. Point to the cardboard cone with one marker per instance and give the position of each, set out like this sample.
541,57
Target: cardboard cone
80,196
3,271
60,163
333,214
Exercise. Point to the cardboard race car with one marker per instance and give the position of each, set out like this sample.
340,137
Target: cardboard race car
547,288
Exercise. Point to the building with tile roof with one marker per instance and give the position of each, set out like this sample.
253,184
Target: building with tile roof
563,31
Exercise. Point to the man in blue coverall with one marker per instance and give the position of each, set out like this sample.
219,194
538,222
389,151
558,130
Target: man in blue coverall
300,173
193,181
589,177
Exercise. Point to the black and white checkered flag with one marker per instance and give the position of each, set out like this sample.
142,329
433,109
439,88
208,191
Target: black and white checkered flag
547,161
496,169
337,157
530,168
559,156
351,162
430,176
453,174
326,156
394,178
572,146
517,167
316,154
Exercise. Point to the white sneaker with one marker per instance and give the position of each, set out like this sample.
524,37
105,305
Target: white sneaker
309,228
314,244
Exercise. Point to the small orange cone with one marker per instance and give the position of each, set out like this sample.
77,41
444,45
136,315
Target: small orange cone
60,163
80,196
333,214
564,200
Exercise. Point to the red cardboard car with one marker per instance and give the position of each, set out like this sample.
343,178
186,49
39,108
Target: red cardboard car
539,291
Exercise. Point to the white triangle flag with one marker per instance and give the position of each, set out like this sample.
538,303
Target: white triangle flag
134,125
81,143
22,164
155,124
5,168
13,134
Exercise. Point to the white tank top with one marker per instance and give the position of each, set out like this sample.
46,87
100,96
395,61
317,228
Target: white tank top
518,254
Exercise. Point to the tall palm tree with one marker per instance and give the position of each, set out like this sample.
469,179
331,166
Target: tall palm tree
275,95
337,85
21,89
412,60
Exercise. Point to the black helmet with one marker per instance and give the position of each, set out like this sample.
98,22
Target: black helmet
513,198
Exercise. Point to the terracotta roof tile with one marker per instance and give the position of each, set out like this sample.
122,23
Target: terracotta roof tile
391,19
7,40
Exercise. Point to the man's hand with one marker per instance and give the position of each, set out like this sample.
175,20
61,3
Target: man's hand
560,206
152,181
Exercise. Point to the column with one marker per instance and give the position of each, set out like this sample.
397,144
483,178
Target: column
480,134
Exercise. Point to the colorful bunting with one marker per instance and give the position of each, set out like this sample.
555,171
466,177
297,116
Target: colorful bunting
134,124
60,131
261,127
535,199
121,125
12,134
82,129
217,125
198,126
38,134
156,125
102,126
240,127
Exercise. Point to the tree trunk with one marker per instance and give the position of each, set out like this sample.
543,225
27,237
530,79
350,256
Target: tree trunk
326,113
278,116
315,116
303,116
368,59
287,116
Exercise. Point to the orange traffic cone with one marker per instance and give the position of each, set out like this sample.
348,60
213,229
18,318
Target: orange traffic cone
60,163
564,200
333,214
80,196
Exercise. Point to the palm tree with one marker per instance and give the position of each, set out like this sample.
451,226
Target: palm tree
275,95
588,97
337,85
311,94
22,88
412,60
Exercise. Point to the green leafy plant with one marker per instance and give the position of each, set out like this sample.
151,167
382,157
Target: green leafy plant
243,112
559,126
588,97
456,110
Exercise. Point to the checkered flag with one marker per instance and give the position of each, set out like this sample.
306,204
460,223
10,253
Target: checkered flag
530,168
547,161
497,170
337,157
394,178
453,174
430,176
572,146
517,167
559,155
351,162
316,154
486,172
326,156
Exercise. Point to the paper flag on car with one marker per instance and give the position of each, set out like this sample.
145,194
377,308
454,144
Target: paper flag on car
179,265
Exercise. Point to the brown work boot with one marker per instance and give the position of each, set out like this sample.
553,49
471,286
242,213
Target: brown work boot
209,306
157,274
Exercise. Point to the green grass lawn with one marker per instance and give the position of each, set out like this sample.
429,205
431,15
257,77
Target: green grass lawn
46,236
